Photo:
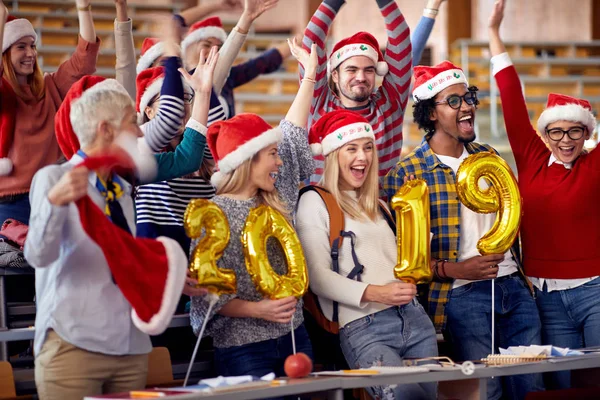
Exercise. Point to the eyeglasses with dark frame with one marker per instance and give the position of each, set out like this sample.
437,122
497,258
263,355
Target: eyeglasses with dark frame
455,101
574,133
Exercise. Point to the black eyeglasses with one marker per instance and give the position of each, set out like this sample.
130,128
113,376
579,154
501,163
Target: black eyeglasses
455,101
574,133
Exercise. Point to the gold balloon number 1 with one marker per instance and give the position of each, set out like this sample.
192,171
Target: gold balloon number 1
262,223
502,197
411,204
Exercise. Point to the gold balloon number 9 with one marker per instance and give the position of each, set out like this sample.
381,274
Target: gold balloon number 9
411,204
262,223
199,214
502,197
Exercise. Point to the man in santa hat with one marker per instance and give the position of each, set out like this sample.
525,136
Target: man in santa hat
460,295
100,292
346,79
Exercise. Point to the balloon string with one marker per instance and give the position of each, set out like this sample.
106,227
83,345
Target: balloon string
212,301
493,315
293,337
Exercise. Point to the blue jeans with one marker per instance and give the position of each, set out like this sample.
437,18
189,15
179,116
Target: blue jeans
261,358
385,338
18,209
468,328
570,318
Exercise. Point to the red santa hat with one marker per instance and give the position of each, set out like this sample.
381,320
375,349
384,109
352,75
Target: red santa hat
209,28
359,44
15,29
335,129
150,273
429,81
238,139
148,84
566,108
152,50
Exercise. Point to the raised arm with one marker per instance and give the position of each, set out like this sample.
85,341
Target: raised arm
523,139
161,129
86,22
316,32
201,83
83,60
252,10
267,62
125,49
398,52
421,33
201,11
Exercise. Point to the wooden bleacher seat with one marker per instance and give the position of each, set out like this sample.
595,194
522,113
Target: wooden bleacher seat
7,381
160,370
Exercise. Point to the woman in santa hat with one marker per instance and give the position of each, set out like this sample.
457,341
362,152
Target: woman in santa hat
370,305
28,101
257,165
560,186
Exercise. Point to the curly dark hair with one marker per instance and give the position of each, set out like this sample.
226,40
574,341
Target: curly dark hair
422,110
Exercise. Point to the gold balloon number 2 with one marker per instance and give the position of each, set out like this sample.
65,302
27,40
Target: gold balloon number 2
199,214
411,204
502,197
262,223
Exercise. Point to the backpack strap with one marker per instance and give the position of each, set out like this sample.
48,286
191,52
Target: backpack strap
388,216
336,215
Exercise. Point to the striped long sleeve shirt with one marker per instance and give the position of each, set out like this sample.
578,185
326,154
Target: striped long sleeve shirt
385,111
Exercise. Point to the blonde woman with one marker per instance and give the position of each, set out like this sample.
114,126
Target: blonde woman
257,164
380,319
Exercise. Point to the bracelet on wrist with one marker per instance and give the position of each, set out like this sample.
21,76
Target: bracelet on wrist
311,80
85,8
431,11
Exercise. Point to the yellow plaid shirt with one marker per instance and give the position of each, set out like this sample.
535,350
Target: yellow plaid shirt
445,212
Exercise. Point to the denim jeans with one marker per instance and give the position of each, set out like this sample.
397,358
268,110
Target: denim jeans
570,318
18,209
387,337
261,358
468,328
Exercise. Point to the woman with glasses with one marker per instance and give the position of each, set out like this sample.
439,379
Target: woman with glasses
460,295
560,186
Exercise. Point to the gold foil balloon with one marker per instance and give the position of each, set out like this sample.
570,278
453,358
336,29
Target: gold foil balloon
502,197
199,214
262,223
411,204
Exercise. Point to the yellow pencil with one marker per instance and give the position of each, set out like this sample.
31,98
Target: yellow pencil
144,395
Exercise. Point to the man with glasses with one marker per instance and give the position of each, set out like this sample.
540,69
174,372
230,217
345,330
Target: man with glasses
460,298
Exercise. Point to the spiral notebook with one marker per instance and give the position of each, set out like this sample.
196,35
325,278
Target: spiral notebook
507,359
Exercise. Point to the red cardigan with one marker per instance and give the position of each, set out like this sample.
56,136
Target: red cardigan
560,229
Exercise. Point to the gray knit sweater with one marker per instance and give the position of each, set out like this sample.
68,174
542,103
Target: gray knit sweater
226,331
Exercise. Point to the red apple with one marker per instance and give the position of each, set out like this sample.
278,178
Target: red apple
298,365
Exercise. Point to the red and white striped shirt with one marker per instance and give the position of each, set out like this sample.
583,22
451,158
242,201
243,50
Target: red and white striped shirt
385,110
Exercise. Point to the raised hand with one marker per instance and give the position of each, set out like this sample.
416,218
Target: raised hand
497,15
255,8
121,8
71,187
201,80
308,61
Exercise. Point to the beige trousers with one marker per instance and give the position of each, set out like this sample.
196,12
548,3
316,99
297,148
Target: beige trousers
66,372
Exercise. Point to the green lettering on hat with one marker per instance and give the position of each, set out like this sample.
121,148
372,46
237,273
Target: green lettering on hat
457,76
430,87
363,47
340,136
339,54
367,128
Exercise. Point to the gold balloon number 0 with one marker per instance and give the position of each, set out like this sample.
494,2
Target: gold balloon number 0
199,214
502,197
262,223
411,204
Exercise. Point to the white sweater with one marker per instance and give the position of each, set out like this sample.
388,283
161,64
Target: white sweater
375,247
